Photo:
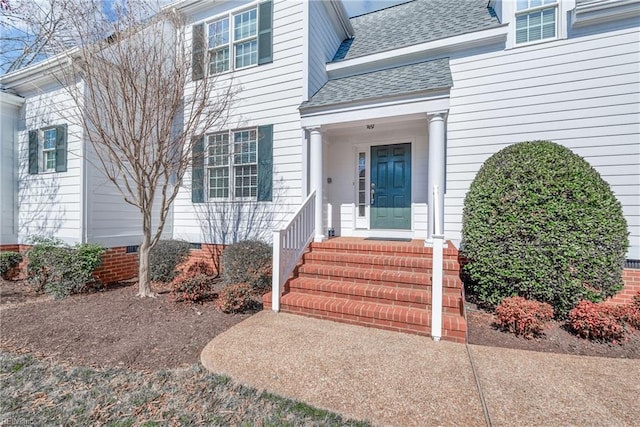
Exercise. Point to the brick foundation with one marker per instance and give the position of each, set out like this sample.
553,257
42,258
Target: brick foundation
631,278
117,265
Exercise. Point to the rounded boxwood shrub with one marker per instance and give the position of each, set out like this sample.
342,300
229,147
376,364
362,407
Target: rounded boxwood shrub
539,222
165,257
248,262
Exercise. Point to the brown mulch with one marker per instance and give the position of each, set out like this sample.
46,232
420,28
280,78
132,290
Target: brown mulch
556,339
110,327
114,328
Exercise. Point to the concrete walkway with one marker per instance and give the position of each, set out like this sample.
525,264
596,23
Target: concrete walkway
397,379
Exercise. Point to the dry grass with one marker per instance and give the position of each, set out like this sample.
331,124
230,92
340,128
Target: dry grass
43,392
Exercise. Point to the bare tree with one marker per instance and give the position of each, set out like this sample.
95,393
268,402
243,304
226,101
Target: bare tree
33,30
139,108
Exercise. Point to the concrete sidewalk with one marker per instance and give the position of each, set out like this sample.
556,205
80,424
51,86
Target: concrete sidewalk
397,379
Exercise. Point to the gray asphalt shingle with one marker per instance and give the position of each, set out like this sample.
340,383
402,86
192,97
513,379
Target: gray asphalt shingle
423,76
415,22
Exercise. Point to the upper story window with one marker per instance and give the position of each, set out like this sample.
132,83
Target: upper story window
237,40
48,149
536,20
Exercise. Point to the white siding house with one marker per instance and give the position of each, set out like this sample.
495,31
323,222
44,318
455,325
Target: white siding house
369,112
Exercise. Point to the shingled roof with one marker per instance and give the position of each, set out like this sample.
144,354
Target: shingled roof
421,77
415,22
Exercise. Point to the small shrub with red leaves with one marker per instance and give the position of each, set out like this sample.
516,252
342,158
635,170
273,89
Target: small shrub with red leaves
236,298
192,287
523,317
599,322
632,312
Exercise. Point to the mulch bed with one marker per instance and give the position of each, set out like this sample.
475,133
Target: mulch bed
557,339
109,328
114,328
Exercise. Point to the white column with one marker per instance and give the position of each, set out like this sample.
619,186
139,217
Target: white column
436,171
317,179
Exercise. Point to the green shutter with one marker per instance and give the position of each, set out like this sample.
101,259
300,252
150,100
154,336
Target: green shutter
33,152
197,173
265,32
197,43
61,148
265,163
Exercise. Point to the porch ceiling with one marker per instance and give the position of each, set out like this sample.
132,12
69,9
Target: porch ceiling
392,82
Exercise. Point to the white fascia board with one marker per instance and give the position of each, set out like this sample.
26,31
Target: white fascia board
416,53
602,11
37,74
352,113
11,99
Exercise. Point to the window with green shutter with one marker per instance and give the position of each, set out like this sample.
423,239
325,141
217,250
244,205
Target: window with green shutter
234,40
48,149
234,165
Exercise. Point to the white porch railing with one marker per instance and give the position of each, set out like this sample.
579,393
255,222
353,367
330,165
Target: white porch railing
436,283
288,246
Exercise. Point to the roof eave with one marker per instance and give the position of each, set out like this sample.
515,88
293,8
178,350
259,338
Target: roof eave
417,53
408,96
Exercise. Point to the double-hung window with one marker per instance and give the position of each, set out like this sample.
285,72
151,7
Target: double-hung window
219,46
238,39
233,37
536,20
233,165
48,149
238,160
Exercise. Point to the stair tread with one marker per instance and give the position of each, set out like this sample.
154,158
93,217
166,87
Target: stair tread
425,263
365,289
408,315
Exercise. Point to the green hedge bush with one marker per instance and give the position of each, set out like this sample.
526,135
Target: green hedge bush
539,222
165,257
8,261
61,270
248,262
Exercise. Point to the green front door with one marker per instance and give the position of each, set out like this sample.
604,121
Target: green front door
391,186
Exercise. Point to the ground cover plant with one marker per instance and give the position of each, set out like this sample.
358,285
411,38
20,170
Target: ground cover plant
43,392
539,222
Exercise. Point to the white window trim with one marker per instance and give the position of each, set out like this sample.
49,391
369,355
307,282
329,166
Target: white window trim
561,22
231,165
42,159
232,42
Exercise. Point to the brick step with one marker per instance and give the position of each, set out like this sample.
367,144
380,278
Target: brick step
375,276
383,316
406,297
380,261
382,248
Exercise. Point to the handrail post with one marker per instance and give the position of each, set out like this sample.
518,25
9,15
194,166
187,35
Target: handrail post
436,283
275,274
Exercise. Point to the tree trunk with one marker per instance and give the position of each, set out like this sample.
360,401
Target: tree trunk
144,280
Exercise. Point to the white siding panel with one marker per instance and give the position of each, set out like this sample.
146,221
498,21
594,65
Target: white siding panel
50,203
323,44
269,94
583,93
